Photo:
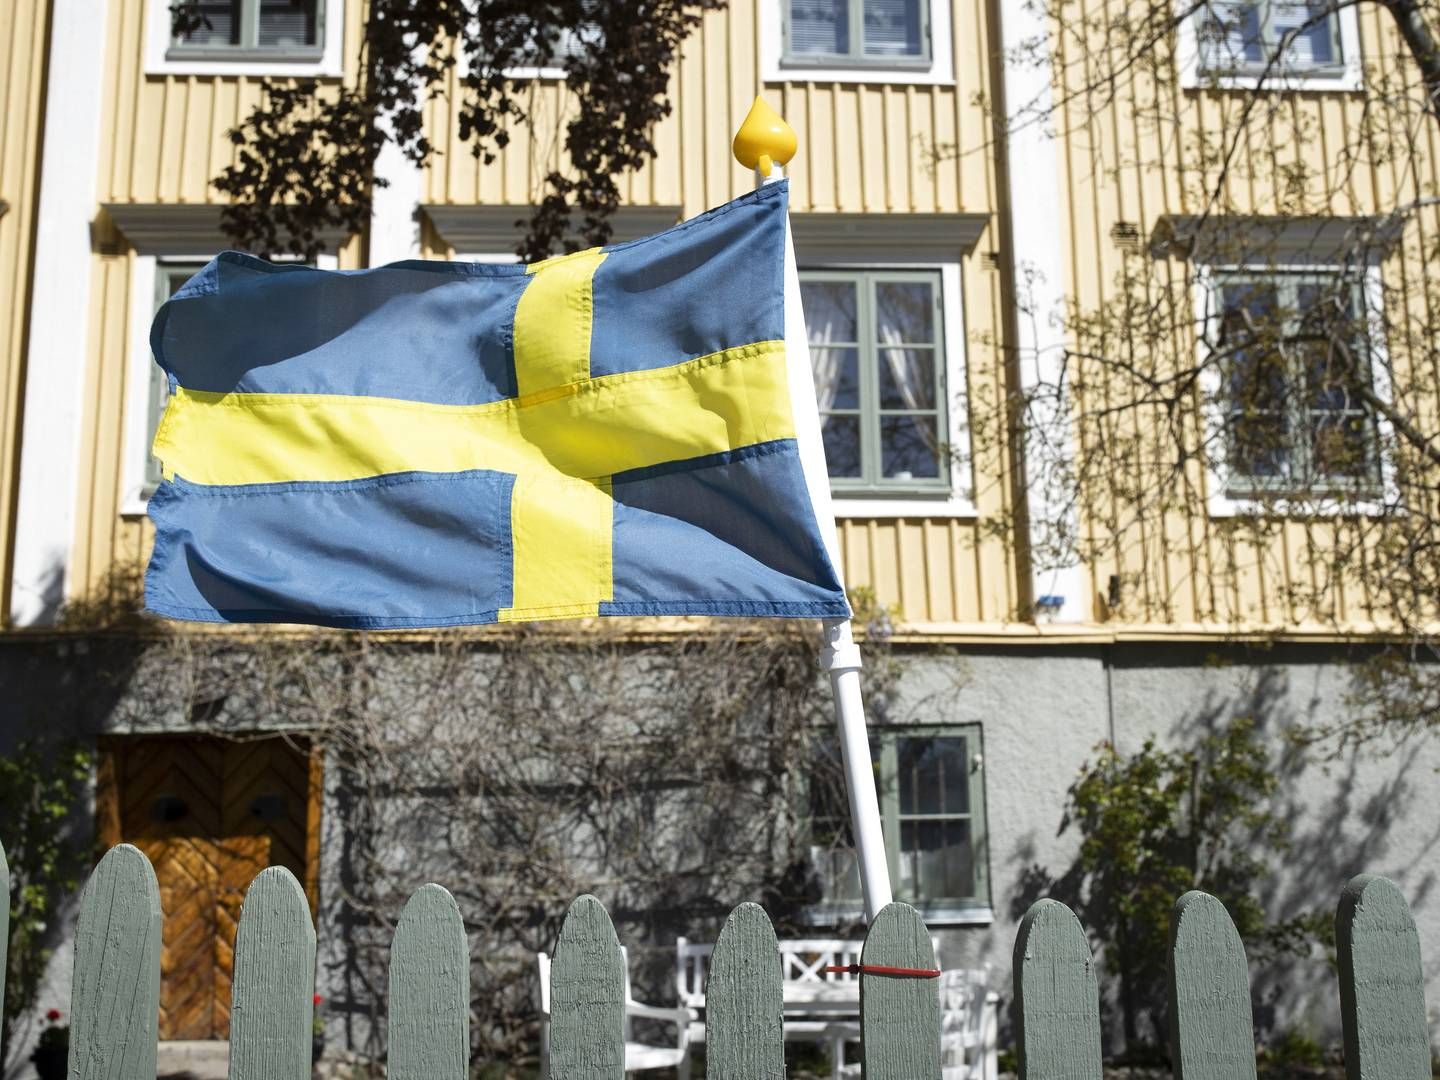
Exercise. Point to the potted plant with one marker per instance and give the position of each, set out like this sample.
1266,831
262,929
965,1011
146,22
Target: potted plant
317,1031
52,1050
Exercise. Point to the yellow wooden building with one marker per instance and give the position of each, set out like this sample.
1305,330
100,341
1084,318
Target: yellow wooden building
909,191
125,179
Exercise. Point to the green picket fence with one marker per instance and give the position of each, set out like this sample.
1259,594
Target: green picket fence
115,1002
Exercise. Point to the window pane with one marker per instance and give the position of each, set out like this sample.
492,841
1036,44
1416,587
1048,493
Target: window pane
287,24
1329,344
905,311
1259,446
1230,36
1257,382
820,27
937,860
1313,40
908,447
218,25
830,308
832,850
907,378
837,377
841,435
1341,447
934,775
892,28
829,311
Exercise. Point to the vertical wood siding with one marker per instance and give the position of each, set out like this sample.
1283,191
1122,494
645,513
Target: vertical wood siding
22,90
169,141
164,142
1190,569
862,148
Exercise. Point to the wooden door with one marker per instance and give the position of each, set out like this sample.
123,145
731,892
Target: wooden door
210,814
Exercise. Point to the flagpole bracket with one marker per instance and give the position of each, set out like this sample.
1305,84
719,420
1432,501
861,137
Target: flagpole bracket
840,652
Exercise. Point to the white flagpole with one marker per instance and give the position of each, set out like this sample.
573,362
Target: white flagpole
766,143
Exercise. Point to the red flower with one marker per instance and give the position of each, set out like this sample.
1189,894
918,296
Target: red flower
52,1015
318,999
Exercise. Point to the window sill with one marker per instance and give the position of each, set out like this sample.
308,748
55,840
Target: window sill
901,504
136,504
232,55
1329,80
934,915
1317,506
251,64
927,74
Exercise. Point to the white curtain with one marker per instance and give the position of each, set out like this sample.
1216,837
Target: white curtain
827,363
907,370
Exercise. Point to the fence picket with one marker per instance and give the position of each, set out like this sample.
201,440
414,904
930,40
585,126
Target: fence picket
430,990
1212,1035
899,1015
4,926
744,1012
587,997
1382,983
1057,997
115,993
116,989
272,1003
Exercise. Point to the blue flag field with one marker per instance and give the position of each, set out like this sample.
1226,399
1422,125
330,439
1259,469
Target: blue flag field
438,444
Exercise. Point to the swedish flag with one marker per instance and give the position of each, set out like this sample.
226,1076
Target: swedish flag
437,444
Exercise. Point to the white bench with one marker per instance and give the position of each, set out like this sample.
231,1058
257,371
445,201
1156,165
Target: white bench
638,1056
824,1006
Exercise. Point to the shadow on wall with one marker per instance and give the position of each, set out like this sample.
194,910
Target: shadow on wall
1316,822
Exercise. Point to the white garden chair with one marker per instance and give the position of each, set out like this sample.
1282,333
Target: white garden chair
967,1025
638,1056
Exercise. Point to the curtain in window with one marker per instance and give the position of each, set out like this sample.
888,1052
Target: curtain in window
908,443
1313,44
892,28
820,27
287,24
219,24
910,370
1230,36
827,363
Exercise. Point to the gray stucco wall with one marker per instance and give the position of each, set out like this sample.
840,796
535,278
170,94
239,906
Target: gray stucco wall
1042,713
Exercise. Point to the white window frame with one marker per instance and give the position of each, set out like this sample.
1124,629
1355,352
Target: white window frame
1219,502
959,500
1350,78
545,73
139,371
938,71
158,39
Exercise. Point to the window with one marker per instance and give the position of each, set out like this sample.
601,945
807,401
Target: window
291,29
169,277
864,31
1295,368
1261,37
877,348
932,800
539,57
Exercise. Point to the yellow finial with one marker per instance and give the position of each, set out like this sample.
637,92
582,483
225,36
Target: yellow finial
764,139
